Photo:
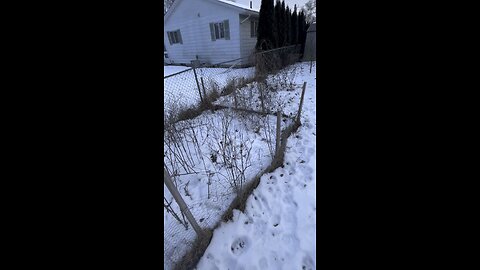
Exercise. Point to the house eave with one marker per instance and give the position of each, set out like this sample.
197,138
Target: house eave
240,10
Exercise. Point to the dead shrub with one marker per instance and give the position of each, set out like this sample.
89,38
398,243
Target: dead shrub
232,150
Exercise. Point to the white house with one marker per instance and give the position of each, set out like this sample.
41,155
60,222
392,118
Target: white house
211,31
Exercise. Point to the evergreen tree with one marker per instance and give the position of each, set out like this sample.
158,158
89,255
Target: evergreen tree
294,26
283,19
266,26
302,30
279,23
288,24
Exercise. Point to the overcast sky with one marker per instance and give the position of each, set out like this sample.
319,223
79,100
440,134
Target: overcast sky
290,3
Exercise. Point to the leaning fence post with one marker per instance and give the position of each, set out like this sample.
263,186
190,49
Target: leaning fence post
235,98
183,206
203,86
198,85
301,102
261,97
277,142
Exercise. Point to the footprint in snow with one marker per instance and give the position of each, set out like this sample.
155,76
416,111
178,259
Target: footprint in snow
275,220
307,263
240,245
307,170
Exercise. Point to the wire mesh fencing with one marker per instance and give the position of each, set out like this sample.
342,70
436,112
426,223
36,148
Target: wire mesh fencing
212,163
212,157
271,61
181,92
264,93
189,89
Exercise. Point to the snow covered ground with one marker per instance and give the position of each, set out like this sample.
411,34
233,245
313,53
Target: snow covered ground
168,70
278,228
206,186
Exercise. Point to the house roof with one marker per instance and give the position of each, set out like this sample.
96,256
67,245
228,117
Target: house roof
237,6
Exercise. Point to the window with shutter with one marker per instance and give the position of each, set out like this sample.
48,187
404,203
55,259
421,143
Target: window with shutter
174,37
217,34
220,30
227,29
253,28
212,31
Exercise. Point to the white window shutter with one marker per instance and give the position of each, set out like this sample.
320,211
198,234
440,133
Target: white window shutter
227,29
212,31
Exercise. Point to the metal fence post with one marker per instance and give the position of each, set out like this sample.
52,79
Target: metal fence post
235,98
277,143
203,86
198,85
261,88
183,206
301,102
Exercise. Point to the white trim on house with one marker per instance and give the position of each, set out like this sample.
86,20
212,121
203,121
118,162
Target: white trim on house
245,9
238,5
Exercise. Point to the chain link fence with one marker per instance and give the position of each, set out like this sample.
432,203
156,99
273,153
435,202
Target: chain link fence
188,89
211,158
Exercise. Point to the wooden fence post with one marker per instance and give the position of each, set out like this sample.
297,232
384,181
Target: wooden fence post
198,85
277,143
183,206
301,102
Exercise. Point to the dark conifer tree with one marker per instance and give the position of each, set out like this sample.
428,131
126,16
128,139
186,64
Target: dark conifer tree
302,30
288,24
266,26
279,23
284,23
294,26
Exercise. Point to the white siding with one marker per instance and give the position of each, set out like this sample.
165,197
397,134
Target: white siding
247,43
193,18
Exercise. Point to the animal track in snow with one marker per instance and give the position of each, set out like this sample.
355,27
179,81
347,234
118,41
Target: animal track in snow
275,220
240,245
307,170
307,263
